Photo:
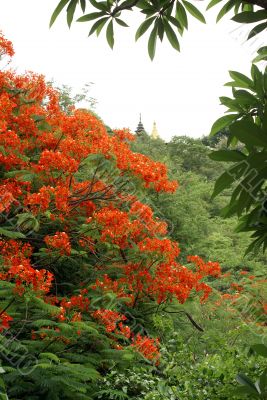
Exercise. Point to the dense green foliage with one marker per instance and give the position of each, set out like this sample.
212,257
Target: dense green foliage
247,113
195,218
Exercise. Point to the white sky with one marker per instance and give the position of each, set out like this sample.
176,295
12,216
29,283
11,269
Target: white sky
180,91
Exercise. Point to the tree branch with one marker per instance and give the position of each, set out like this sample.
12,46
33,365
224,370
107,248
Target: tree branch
193,322
122,7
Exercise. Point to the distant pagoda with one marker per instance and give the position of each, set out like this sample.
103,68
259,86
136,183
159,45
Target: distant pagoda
140,127
154,134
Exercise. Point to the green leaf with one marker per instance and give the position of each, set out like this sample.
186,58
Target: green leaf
156,4
213,3
194,11
223,182
128,4
245,381
110,34
57,11
144,27
245,198
100,5
248,133
260,349
258,79
243,390
160,28
70,11
222,122
149,11
27,221
226,8
171,35
83,5
175,22
227,155
50,356
11,234
237,6
168,11
264,118
248,17
44,126
247,7
228,177
263,380
121,22
245,98
101,26
142,4
16,173
262,56
38,118
258,160
257,29
232,104
152,42
91,16
241,79
181,15
98,25
3,395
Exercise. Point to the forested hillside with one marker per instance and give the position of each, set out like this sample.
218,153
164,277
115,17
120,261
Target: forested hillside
195,219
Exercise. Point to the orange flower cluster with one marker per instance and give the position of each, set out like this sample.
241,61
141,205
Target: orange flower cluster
124,134
79,302
60,242
122,227
108,285
148,347
113,323
10,190
160,281
108,318
71,309
5,319
205,268
153,173
245,297
52,165
6,47
117,227
124,330
145,215
56,161
40,200
161,247
17,268
6,199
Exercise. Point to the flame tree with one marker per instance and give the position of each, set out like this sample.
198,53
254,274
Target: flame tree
83,258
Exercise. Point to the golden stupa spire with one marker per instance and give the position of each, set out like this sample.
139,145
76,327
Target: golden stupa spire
154,134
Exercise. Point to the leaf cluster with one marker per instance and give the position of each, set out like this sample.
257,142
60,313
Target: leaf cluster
246,120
